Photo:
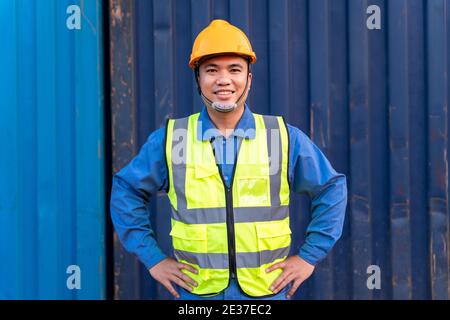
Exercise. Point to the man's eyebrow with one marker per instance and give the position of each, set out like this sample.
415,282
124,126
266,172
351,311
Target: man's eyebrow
230,66
211,65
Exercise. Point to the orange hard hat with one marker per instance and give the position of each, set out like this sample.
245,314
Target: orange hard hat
221,37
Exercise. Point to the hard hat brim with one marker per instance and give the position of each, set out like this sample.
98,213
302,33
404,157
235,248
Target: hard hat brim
197,62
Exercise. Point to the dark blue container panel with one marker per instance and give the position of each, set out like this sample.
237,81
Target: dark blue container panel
52,212
375,101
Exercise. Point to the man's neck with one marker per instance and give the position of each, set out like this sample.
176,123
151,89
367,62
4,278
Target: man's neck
226,122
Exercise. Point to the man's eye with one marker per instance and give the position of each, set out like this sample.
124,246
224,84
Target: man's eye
210,70
235,70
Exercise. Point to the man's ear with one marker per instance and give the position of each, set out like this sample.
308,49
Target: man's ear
197,73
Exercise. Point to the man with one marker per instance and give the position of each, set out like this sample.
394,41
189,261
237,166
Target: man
228,174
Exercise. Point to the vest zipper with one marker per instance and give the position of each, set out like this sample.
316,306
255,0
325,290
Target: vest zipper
230,217
230,227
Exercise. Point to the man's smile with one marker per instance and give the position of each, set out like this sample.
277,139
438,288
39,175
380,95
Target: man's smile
224,94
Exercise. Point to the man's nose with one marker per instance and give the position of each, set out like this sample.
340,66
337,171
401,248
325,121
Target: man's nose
223,80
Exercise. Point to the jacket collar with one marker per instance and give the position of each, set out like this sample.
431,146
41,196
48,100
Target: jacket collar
245,128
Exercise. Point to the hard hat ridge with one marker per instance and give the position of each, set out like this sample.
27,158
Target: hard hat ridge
220,37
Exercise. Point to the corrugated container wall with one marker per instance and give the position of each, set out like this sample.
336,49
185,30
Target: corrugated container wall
375,101
52,212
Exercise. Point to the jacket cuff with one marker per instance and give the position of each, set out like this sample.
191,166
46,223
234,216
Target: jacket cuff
153,259
307,253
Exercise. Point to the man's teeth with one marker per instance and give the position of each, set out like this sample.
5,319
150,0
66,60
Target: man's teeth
224,92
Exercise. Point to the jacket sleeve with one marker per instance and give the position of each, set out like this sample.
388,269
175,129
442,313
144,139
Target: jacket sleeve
132,189
312,173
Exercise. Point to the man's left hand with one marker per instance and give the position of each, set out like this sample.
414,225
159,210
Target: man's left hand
295,269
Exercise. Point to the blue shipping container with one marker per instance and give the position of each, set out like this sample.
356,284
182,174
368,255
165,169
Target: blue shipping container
52,212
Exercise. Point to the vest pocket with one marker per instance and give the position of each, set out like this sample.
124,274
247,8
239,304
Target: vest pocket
204,171
273,235
274,239
189,237
203,180
253,191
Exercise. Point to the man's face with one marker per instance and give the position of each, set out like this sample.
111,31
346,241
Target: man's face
223,78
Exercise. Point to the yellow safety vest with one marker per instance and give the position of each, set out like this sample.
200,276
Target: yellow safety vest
240,230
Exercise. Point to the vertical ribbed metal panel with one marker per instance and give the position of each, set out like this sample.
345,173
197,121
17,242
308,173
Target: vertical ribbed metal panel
52,211
375,101
437,101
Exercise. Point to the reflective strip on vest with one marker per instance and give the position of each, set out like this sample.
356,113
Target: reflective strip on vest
217,215
220,260
260,207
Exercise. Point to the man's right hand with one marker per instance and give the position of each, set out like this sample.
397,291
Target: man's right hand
169,270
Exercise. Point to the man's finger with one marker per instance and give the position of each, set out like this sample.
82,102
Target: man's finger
294,288
283,283
187,267
171,289
187,279
182,284
280,265
278,281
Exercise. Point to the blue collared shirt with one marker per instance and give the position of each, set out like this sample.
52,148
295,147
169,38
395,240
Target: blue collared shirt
309,172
